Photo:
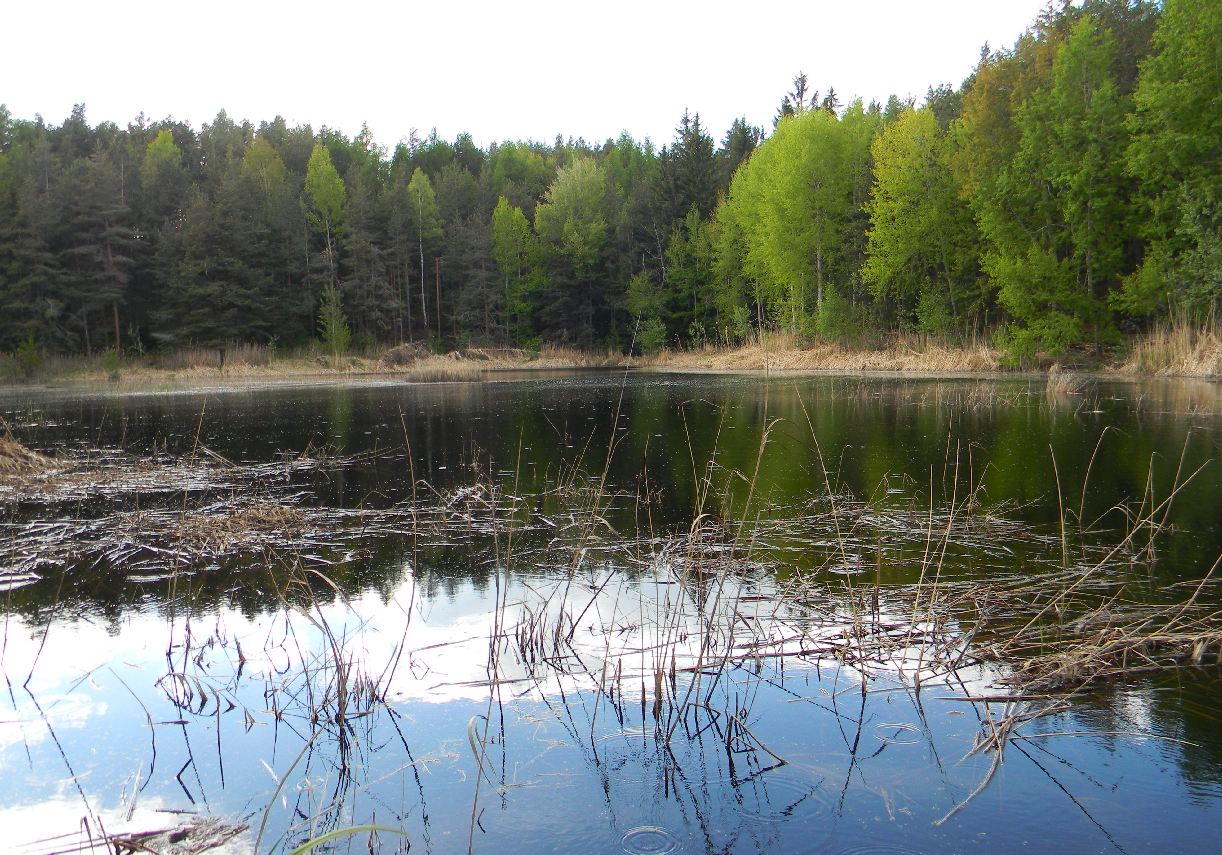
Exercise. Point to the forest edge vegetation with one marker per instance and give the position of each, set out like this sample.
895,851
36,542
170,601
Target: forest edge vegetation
1062,203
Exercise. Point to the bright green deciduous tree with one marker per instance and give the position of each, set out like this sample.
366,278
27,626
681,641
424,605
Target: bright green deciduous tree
922,238
572,218
263,164
328,201
572,226
325,189
520,174
510,250
425,220
792,201
162,177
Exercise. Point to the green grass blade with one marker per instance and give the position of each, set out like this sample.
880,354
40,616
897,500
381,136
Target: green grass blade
338,833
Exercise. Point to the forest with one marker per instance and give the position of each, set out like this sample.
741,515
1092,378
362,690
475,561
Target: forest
1067,193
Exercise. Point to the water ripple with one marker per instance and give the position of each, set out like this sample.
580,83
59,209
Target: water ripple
648,840
899,733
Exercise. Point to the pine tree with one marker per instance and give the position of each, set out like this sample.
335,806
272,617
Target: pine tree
688,173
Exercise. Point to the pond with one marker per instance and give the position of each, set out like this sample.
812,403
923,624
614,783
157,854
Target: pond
616,612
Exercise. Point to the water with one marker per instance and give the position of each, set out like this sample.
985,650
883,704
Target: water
213,689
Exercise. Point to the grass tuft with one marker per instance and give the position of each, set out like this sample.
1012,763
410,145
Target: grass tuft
1180,349
17,461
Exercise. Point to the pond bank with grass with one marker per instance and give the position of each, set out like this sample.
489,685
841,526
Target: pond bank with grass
1179,351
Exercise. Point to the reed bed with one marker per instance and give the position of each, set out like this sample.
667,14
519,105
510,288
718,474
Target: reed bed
234,530
1063,633
670,631
840,607
1063,383
235,355
1179,349
783,354
1075,614
110,474
443,369
411,362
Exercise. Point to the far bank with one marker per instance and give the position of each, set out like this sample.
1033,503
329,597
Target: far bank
1173,352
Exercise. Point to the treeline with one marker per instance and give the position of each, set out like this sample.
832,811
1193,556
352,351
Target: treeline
1069,189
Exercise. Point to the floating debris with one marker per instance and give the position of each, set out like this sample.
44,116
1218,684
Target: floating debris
189,838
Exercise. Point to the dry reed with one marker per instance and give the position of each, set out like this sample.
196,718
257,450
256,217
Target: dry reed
787,355
193,836
726,595
1062,383
237,355
1179,349
18,462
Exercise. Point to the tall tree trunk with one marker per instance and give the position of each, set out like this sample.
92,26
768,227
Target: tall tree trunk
424,308
330,253
508,319
818,274
950,285
437,284
407,302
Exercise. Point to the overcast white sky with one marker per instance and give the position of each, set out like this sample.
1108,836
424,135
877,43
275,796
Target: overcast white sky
498,70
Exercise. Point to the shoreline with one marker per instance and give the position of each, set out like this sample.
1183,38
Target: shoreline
172,383
776,357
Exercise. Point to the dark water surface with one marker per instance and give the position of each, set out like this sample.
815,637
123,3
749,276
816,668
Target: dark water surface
129,694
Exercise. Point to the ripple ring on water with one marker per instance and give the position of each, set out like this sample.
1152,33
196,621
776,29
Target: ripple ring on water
911,734
877,849
648,840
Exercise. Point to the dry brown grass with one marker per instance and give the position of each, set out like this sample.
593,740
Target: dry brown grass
251,523
415,358
17,461
443,369
782,353
1095,631
570,357
235,356
141,375
412,362
402,355
1062,383
1177,350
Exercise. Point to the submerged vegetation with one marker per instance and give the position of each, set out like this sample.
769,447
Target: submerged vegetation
1061,200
